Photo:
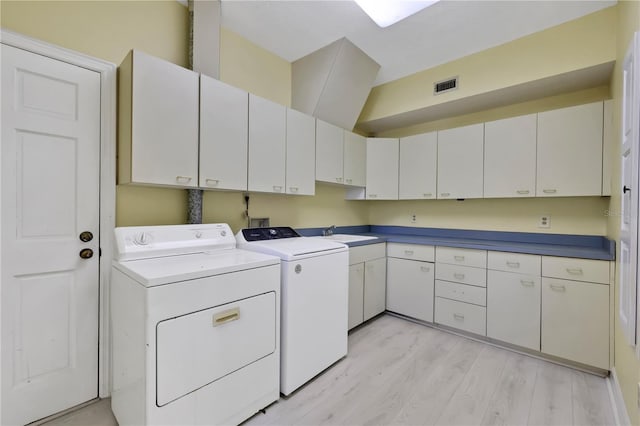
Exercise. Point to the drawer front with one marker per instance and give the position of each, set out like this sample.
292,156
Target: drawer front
589,270
361,254
411,252
461,274
465,257
462,292
463,316
514,262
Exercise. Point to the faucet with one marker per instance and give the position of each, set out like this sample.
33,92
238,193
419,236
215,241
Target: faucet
328,231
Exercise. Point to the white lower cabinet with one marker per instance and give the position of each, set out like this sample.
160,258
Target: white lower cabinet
575,321
410,288
513,308
367,282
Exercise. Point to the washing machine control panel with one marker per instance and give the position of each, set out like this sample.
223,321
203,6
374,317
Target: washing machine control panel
275,233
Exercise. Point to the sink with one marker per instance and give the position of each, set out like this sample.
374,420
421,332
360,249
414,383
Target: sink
348,238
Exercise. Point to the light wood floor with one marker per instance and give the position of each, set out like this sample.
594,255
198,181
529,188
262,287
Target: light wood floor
401,373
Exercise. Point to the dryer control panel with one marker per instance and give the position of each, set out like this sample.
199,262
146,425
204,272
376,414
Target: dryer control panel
276,233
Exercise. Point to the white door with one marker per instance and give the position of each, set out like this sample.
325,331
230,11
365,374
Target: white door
382,168
460,162
629,199
267,145
50,189
418,167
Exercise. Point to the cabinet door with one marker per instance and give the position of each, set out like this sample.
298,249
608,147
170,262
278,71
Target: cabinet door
164,133
356,294
510,157
382,169
570,151
224,126
375,287
410,288
513,308
267,128
301,150
355,155
460,162
575,321
418,167
329,152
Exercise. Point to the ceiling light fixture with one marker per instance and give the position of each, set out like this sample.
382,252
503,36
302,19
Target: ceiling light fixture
388,12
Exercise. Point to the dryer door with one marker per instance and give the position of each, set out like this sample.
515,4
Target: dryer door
197,349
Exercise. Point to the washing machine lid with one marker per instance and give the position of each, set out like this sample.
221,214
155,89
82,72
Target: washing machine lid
289,249
169,269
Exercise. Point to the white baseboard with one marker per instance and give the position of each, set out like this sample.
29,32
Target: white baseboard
617,401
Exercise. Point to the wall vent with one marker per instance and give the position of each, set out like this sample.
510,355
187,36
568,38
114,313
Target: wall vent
445,85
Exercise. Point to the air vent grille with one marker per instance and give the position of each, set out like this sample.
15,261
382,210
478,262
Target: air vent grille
445,85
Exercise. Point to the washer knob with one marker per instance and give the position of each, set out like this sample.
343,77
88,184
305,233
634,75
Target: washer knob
273,232
198,234
142,239
223,233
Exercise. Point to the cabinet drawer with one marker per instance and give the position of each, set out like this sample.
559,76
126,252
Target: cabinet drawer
463,316
514,262
596,271
461,274
411,251
361,254
462,292
458,256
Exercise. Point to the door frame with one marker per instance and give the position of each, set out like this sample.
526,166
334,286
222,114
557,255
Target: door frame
107,72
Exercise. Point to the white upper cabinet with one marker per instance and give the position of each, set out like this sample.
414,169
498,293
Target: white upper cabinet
608,143
329,152
382,169
355,154
223,135
158,122
510,157
418,167
301,149
460,162
570,151
267,133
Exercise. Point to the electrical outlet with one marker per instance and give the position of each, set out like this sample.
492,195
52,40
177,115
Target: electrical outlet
545,221
413,218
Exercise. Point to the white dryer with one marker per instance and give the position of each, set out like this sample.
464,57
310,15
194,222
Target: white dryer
315,293
195,325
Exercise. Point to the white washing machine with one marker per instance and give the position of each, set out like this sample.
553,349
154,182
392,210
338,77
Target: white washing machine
315,293
195,326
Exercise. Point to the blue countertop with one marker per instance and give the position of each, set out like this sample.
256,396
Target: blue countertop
579,246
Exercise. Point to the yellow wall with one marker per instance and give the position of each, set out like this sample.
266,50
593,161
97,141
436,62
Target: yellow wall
574,45
626,364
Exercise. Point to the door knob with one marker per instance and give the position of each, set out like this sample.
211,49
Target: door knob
86,253
625,189
86,236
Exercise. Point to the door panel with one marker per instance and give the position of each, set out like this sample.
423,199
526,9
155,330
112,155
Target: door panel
50,194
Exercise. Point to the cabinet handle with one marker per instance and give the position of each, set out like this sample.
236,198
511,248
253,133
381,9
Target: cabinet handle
373,195
522,191
555,287
226,316
513,264
425,269
459,317
574,271
349,180
184,179
277,188
427,195
458,258
339,180
212,182
293,188
549,191
445,194
527,283
408,252
458,276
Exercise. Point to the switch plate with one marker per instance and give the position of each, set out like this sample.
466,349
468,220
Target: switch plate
544,221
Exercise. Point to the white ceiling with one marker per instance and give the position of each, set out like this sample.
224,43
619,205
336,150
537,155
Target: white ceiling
441,33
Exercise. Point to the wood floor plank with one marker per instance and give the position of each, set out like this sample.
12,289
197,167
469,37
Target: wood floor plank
511,402
591,405
469,403
552,400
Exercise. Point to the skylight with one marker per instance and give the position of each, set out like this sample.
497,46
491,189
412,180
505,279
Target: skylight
388,12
